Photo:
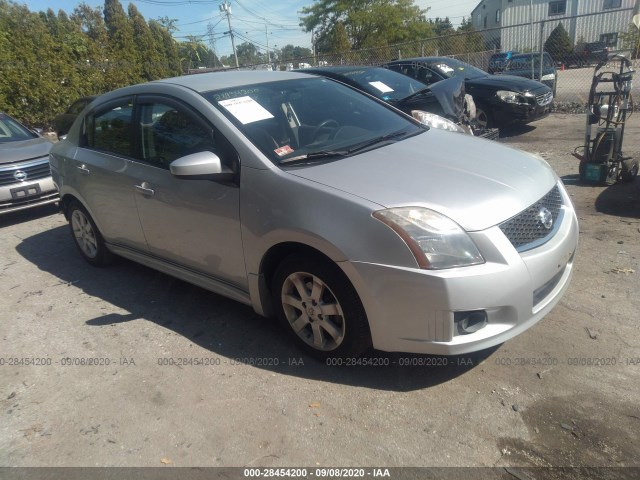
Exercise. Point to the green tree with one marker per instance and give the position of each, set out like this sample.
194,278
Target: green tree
248,54
166,43
192,51
339,39
631,40
368,23
558,44
148,54
123,63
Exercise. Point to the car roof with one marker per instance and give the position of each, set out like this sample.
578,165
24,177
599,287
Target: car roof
424,59
204,82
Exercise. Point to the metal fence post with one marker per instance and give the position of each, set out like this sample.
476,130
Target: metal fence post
541,48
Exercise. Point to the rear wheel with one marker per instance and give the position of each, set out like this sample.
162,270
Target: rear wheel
319,307
87,237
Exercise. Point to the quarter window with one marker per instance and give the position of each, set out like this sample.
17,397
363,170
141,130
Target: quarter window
558,8
612,4
110,130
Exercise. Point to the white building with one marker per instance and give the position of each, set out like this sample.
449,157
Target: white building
609,21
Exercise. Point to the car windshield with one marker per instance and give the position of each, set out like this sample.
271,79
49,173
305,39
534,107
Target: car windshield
310,120
383,83
450,67
12,131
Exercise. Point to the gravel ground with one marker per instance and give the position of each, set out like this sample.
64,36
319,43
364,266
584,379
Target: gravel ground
564,393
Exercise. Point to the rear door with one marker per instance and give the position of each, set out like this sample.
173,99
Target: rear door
100,172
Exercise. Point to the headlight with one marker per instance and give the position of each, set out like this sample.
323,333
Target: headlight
435,121
549,76
436,241
512,97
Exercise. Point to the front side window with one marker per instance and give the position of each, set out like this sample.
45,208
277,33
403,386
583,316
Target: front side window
167,133
558,8
608,4
109,130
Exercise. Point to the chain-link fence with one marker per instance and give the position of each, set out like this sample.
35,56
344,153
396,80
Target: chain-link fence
569,48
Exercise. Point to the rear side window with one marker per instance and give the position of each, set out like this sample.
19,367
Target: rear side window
109,129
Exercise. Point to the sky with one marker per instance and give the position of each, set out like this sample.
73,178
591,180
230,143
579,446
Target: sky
249,18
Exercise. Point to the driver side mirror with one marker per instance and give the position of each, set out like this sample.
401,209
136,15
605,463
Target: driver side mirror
201,166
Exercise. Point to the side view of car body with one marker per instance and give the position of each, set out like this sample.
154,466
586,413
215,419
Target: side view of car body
306,199
520,66
500,100
25,177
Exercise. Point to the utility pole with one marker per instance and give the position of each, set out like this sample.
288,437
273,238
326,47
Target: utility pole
532,36
226,8
266,33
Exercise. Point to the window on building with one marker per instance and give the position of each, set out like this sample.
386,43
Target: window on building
485,21
478,19
612,4
610,39
558,7
498,16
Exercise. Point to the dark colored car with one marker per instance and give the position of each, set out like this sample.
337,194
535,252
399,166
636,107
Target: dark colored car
500,99
497,61
63,122
585,54
407,94
520,65
25,175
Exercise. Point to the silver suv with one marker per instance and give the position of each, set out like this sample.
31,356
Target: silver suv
350,221
25,177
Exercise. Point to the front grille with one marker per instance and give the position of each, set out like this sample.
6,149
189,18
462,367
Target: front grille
30,170
526,228
544,98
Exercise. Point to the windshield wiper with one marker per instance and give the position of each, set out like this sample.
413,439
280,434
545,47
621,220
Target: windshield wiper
314,156
380,139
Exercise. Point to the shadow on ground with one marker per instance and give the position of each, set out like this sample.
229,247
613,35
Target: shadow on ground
21,216
220,325
621,199
515,130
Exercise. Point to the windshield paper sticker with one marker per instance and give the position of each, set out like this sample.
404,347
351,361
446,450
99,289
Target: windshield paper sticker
445,68
282,151
245,109
381,86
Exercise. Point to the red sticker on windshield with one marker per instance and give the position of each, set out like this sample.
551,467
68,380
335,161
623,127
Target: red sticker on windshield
283,150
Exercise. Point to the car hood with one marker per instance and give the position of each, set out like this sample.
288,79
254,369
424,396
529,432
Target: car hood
475,182
505,82
12,152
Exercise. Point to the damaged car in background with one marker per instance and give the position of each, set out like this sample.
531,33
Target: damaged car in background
351,222
441,105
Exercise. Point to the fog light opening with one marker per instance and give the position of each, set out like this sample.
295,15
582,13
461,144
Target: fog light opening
470,322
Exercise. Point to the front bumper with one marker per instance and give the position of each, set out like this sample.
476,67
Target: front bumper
412,310
21,196
507,114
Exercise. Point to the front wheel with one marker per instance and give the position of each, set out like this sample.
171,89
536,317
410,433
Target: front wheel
319,307
87,237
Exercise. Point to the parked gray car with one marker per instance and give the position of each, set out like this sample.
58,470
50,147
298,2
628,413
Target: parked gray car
351,222
25,177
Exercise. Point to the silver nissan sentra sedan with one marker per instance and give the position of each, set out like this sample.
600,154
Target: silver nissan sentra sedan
349,221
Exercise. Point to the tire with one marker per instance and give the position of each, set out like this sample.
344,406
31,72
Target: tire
483,116
315,302
87,237
629,170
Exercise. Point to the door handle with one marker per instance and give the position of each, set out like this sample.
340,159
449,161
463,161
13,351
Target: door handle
144,189
83,168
